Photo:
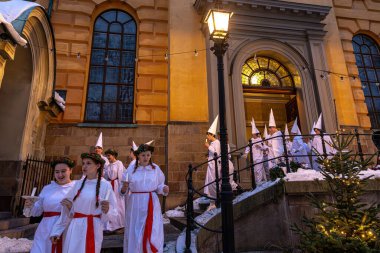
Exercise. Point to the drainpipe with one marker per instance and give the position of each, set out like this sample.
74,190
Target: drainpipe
50,8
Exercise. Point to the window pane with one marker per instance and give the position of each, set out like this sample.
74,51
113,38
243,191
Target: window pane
281,72
95,92
367,60
376,60
244,80
365,49
93,111
110,93
112,75
376,102
253,64
371,74
359,60
358,39
109,16
99,40
115,28
362,75
130,27
365,87
257,78
246,70
109,112
97,57
101,25
287,82
113,58
356,48
123,17
127,76
114,41
272,79
273,65
125,112
129,42
128,59
263,62
368,102
96,75
126,94
374,49
374,89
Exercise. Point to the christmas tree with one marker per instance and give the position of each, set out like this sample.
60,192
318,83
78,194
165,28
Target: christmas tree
344,223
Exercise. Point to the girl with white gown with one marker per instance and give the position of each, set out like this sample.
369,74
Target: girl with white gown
48,205
144,229
113,172
91,203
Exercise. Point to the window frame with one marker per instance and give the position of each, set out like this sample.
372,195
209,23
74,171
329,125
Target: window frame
129,118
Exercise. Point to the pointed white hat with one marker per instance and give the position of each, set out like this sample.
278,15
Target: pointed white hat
265,134
149,143
254,128
99,143
272,122
214,125
134,146
295,127
312,129
286,132
318,125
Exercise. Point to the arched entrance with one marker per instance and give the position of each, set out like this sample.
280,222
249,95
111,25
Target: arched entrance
29,76
268,84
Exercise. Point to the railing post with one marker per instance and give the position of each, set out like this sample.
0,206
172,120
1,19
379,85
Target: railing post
189,209
286,154
360,150
217,202
252,165
323,145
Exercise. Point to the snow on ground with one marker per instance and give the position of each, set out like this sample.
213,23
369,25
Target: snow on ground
15,245
170,247
179,211
310,175
206,216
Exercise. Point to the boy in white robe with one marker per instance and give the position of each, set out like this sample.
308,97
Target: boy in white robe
274,142
298,148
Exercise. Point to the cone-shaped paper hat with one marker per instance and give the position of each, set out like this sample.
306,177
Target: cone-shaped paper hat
254,128
134,146
214,125
99,143
295,128
318,125
272,122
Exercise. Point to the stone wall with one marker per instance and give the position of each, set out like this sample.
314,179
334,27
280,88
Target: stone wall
73,21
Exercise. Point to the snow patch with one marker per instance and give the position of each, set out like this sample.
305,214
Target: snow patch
311,175
15,245
179,211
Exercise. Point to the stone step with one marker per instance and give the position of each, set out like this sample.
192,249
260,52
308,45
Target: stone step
178,222
5,215
6,224
26,231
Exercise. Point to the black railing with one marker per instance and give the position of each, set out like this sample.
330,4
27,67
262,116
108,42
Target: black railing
190,218
36,173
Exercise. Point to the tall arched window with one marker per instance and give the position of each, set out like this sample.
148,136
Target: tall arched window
368,62
111,79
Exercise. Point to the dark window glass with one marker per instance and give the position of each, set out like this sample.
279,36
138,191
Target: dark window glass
368,61
110,94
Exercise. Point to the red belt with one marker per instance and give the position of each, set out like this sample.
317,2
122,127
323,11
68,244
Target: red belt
113,183
148,225
90,237
58,246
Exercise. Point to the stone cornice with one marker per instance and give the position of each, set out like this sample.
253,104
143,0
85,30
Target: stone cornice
283,6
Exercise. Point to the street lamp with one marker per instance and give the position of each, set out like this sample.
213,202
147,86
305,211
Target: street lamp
218,22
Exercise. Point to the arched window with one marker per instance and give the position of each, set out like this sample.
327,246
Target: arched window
264,72
368,62
111,79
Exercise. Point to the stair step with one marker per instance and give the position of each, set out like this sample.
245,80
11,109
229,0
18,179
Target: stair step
6,224
20,232
178,222
5,215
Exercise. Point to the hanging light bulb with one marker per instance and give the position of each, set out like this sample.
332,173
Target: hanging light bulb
78,55
166,56
255,58
106,59
377,84
323,76
341,78
353,78
304,68
136,59
195,53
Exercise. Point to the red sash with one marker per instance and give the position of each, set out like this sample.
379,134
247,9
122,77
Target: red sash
148,225
113,183
58,246
90,237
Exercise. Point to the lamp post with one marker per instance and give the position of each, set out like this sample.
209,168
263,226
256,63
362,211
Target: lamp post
218,22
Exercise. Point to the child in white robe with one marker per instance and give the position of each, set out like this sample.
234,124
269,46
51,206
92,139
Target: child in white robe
113,172
144,225
48,205
91,203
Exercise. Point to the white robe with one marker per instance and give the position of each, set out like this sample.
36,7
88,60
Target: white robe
114,172
276,148
49,201
298,150
231,170
317,149
144,179
210,174
75,240
257,154
106,162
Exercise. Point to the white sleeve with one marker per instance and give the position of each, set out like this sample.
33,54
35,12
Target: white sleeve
112,212
161,181
37,208
66,215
